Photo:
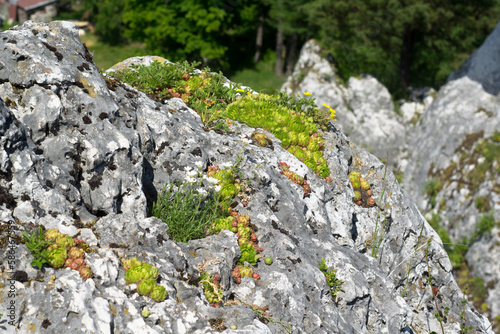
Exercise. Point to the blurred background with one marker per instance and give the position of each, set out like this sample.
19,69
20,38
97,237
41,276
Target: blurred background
256,42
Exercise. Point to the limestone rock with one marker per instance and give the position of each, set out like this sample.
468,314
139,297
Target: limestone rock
94,160
453,164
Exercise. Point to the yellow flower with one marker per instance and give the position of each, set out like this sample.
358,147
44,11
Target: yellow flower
326,106
332,114
307,93
240,90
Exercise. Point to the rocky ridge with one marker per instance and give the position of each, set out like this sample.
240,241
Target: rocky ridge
88,155
452,169
455,164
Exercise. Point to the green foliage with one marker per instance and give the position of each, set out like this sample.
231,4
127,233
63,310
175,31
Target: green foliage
288,118
464,329
261,76
222,224
107,54
287,124
482,203
331,278
108,21
425,40
456,251
206,92
484,225
248,254
191,29
431,188
144,275
37,244
187,212
378,239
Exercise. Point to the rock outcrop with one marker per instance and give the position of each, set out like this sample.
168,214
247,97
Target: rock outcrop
365,110
455,162
451,162
88,155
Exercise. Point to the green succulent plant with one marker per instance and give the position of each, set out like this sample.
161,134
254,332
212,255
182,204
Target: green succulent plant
356,184
146,287
76,253
145,313
246,271
52,234
211,290
309,162
222,224
129,263
140,273
65,241
85,272
248,254
313,146
292,127
57,257
364,184
303,139
225,175
229,190
323,170
357,195
158,294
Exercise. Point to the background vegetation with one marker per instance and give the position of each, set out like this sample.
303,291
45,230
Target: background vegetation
403,43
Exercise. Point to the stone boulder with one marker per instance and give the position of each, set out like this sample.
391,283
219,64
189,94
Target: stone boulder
88,155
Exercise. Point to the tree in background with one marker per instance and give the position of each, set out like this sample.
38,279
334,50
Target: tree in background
190,29
290,22
402,42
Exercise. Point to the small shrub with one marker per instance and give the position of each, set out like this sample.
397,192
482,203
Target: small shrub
37,244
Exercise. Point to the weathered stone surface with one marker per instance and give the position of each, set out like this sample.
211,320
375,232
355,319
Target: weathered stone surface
365,110
447,148
106,153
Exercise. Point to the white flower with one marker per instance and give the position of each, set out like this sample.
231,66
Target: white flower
217,188
192,173
201,191
211,180
226,164
187,168
189,179
199,164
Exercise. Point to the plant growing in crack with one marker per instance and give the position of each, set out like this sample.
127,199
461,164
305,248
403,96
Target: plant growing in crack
331,278
37,244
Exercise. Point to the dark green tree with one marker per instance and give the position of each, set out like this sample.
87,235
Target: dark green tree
108,20
402,42
191,29
290,22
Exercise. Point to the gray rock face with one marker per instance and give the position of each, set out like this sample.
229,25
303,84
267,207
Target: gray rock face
449,147
365,110
87,155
